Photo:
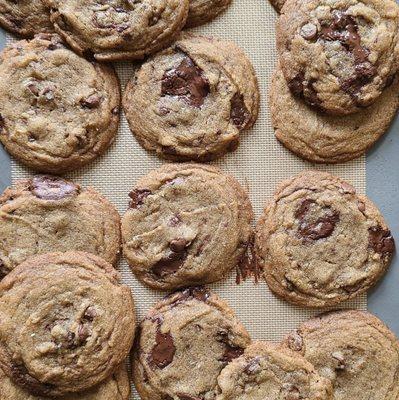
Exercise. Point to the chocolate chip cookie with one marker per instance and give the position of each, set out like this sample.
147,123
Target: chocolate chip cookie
46,214
184,342
25,17
66,323
202,11
116,388
187,224
322,138
338,55
320,243
266,371
353,349
58,111
118,29
193,100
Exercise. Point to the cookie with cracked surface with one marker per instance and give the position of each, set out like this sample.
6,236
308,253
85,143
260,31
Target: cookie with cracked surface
184,342
320,243
188,224
353,349
66,323
116,388
58,111
118,29
202,11
267,371
25,17
338,55
322,138
46,214
193,100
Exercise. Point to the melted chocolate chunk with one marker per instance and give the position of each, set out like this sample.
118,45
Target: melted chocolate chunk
344,29
186,81
381,241
231,351
138,197
174,259
52,188
321,228
199,293
163,352
1,123
247,265
239,113
184,396
300,88
296,84
3,270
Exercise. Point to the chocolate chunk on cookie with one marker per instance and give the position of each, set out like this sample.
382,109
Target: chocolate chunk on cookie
354,350
338,56
325,138
25,17
202,11
187,224
118,29
320,243
267,371
47,213
66,323
184,343
117,387
194,100
58,110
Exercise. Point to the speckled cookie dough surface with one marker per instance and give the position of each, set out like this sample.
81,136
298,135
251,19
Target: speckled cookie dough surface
118,29
115,388
339,55
185,341
322,138
46,214
58,111
25,17
266,371
320,243
66,323
194,100
353,349
202,11
187,224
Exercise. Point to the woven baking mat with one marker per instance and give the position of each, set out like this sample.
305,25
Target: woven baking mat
260,163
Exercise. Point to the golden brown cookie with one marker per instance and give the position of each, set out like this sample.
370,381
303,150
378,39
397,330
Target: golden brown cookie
322,138
184,342
320,243
46,214
188,224
194,100
267,371
202,11
58,111
118,29
353,349
338,55
25,17
66,323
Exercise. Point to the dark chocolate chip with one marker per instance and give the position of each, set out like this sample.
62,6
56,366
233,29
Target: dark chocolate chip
381,241
91,102
247,265
89,314
169,264
296,84
199,293
231,351
138,197
184,396
52,188
186,81
3,270
1,123
239,113
163,352
178,245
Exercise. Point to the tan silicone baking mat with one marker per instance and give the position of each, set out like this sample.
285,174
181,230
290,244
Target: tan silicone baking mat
260,163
